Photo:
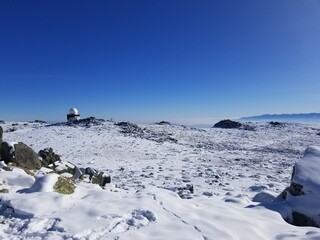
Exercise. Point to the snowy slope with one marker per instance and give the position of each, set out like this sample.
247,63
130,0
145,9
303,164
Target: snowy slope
227,168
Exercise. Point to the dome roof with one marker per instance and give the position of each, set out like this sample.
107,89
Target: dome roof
73,111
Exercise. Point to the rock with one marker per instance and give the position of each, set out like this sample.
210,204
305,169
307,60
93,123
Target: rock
48,157
77,173
1,138
247,127
13,129
39,121
276,124
263,197
63,167
163,123
4,190
50,182
304,191
2,122
227,123
97,177
129,128
70,171
101,179
51,160
20,155
25,157
88,122
299,219
7,152
1,134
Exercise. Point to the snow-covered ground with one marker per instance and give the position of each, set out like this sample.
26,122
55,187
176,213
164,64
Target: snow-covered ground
226,167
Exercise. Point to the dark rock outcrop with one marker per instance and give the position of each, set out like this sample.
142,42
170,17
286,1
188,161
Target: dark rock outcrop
299,219
48,157
276,124
6,152
97,177
52,161
20,155
13,129
227,123
88,122
1,135
163,123
130,128
40,121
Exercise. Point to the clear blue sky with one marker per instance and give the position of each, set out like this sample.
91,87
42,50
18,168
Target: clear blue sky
182,61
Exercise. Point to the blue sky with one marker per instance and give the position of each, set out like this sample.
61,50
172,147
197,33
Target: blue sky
182,61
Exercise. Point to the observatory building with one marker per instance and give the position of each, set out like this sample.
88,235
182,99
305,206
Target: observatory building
73,115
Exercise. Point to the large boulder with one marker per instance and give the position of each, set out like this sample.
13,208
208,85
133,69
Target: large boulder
303,194
20,155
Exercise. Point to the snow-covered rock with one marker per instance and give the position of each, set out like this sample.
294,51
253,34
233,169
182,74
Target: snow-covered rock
303,195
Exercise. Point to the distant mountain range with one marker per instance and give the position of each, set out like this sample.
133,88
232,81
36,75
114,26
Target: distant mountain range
297,117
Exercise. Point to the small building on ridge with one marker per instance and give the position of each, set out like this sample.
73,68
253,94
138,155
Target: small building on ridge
73,115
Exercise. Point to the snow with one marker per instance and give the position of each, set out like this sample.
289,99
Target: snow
235,174
43,183
307,169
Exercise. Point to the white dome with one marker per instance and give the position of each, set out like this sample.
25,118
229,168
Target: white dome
73,111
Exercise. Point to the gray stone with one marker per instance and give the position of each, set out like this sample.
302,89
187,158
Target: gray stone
77,173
